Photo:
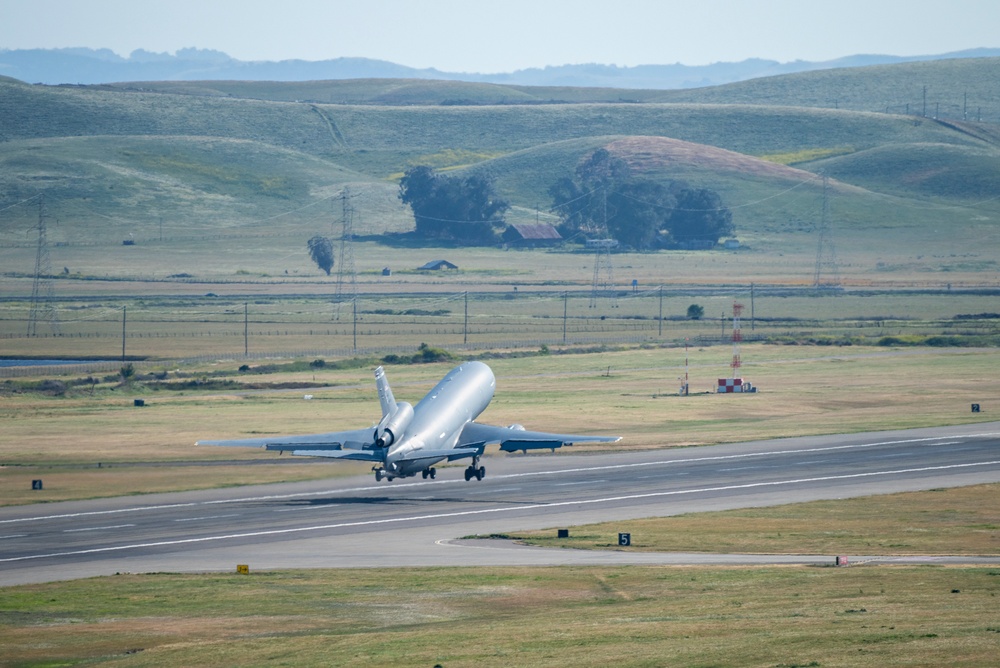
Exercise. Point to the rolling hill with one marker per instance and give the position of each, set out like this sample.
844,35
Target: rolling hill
190,160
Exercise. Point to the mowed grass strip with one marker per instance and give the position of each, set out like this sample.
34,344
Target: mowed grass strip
963,521
557,616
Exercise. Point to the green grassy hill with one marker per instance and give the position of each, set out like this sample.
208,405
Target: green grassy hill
953,88
960,88
199,160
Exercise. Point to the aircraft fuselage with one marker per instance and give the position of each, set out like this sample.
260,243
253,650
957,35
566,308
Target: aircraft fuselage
439,417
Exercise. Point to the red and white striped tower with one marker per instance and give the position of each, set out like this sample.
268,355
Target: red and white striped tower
737,337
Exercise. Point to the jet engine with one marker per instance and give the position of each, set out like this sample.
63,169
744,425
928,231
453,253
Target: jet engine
393,428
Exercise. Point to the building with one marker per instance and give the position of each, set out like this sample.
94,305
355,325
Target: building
437,265
531,235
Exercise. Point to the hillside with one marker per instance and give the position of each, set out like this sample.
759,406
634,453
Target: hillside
956,89
189,162
960,89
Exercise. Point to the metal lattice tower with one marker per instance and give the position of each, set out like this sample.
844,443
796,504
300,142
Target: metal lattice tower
347,275
604,272
42,299
826,252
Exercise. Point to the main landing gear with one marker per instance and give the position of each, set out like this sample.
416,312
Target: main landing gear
380,473
475,470
429,473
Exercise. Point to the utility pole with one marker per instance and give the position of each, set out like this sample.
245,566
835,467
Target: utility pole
565,311
660,331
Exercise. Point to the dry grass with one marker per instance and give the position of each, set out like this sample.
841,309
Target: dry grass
953,521
804,390
626,616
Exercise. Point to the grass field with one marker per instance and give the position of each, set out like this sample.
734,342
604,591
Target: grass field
62,433
960,521
558,616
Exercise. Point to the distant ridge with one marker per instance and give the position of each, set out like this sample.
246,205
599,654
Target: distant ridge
99,66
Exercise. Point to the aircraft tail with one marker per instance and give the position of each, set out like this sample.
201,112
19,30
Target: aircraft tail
384,393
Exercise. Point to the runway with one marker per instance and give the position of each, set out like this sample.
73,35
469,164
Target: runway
356,522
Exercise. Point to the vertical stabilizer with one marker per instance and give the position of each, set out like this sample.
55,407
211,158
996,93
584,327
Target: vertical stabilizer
384,393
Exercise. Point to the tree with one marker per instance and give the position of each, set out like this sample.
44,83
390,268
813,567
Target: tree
321,251
700,216
466,210
695,312
641,209
604,198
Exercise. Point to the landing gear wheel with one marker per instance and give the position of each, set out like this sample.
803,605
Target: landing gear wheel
468,474
378,475
433,473
480,473
424,473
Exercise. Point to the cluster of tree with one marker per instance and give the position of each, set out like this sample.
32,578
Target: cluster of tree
321,251
604,199
459,209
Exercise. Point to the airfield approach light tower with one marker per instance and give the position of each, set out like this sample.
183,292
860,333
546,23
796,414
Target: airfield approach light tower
737,338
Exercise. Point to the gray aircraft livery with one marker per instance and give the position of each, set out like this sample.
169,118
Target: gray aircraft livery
410,439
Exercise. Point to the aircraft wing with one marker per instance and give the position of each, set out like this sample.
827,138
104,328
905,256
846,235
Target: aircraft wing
512,439
355,444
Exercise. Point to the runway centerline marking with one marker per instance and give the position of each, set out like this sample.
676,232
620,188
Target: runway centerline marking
206,517
486,511
117,526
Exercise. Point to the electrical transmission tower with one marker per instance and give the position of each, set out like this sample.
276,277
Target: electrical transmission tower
42,300
826,252
347,275
604,272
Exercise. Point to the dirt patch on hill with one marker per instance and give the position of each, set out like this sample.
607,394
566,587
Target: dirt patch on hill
658,153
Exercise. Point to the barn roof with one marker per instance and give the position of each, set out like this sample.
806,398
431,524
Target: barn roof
537,231
439,264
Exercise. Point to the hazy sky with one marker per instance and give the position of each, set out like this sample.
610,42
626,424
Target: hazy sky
505,35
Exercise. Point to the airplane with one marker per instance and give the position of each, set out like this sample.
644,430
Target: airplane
411,439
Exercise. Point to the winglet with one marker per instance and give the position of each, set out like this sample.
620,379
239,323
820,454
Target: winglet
384,393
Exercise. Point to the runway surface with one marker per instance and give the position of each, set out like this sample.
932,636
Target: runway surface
356,522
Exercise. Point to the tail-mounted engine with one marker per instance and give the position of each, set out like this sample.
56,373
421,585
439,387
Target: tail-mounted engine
392,428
